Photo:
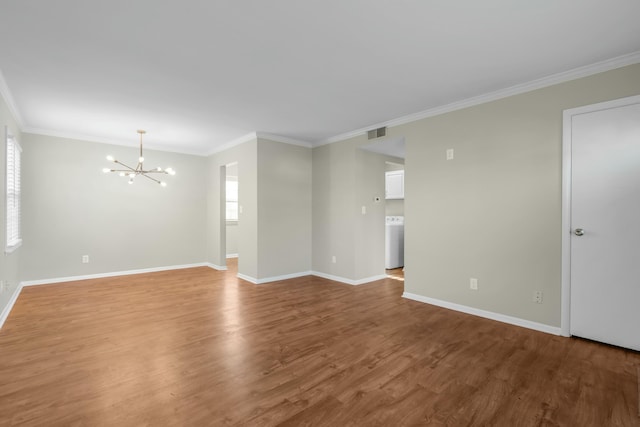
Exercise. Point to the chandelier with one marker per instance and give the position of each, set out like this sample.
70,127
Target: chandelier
131,173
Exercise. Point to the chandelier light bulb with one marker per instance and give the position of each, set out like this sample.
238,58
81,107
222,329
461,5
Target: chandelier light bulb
164,184
141,159
159,169
111,159
106,170
121,174
170,171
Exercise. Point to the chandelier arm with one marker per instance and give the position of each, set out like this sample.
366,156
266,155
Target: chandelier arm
154,171
127,171
152,179
126,166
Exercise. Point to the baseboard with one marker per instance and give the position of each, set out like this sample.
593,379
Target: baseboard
349,281
486,314
216,267
283,277
112,274
273,278
247,278
232,255
7,309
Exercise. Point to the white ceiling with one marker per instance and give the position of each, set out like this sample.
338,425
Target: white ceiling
197,74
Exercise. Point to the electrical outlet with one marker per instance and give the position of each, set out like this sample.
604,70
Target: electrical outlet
85,259
450,154
537,297
1,286
333,259
473,284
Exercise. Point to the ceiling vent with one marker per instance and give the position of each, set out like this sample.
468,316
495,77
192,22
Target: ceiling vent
377,133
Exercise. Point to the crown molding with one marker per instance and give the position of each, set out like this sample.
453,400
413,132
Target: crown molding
256,135
99,140
565,76
283,139
5,92
227,145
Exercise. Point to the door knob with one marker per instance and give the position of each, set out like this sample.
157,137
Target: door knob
579,232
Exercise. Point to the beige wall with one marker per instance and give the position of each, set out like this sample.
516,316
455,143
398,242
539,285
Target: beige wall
71,209
346,178
232,238
494,212
334,209
284,204
9,263
246,155
369,227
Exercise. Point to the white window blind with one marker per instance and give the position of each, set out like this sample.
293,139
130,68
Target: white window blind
14,236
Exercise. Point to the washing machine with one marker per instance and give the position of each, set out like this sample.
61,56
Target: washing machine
394,242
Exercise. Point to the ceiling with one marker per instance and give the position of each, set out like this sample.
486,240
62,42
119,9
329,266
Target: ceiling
199,74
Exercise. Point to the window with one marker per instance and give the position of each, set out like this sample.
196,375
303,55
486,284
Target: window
14,237
232,199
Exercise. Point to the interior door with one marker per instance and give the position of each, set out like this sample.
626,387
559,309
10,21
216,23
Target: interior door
605,225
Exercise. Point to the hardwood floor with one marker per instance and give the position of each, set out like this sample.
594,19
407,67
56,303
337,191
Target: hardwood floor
200,347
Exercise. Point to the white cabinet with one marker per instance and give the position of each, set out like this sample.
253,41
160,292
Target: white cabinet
394,185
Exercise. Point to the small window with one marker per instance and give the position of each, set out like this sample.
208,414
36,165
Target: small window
232,199
14,236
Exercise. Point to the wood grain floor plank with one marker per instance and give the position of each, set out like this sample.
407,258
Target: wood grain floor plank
200,347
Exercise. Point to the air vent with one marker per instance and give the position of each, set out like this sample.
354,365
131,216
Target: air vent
377,133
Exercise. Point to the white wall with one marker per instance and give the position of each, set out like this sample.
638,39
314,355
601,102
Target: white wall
9,263
71,208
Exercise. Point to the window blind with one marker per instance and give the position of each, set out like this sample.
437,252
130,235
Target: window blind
14,237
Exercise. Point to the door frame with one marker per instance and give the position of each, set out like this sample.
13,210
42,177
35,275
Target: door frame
567,116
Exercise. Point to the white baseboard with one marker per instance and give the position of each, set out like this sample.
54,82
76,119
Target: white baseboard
216,267
247,278
273,278
112,274
349,281
283,277
232,255
7,309
486,314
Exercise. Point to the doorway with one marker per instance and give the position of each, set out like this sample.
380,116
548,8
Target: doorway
394,220
231,218
601,205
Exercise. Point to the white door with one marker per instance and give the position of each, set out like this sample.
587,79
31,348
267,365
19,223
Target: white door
605,224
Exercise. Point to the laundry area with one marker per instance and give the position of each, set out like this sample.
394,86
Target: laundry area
394,219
